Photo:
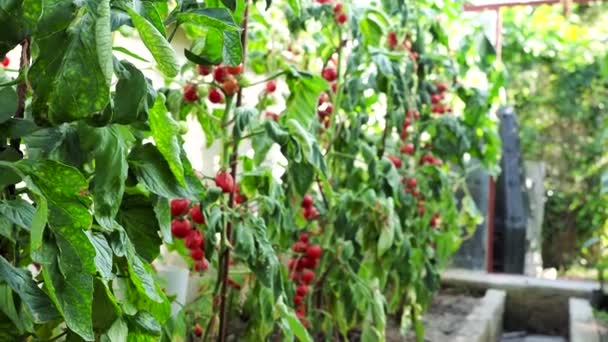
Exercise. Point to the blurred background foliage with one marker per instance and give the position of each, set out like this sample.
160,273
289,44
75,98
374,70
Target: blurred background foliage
557,79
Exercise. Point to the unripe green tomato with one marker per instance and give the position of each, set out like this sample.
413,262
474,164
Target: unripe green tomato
183,127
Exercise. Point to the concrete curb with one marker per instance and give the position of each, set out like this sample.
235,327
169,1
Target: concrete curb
582,323
538,306
484,324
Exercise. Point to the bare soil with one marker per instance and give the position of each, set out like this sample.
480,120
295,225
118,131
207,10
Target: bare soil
443,319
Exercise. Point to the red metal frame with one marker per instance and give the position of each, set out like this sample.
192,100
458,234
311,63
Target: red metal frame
490,225
494,5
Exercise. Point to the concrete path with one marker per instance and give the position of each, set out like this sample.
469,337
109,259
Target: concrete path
531,338
537,306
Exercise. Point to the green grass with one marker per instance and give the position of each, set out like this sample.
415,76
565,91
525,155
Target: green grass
601,315
578,272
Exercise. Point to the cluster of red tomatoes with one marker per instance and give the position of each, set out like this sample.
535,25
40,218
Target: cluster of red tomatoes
407,148
182,228
393,44
308,208
411,187
324,106
224,181
340,16
439,107
301,266
271,87
224,78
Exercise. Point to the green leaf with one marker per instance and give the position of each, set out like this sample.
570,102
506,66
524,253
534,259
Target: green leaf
129,53
149,12
8,103
111,169
105,308
439,34
18,211
162,211
372,28
217,18
310,147
103,254
18,21
210,125
292,320
302,175
244,243
117,332
103,38
384,65
217,46
147,322
152,170
140,273
68,80
136,302
175,328
17,128
11,155
161,50
231,4
137,216
37,303
69,214
296,7
134,94
276,133
166,136
39,221
265,264
6,229
56,15
43,142
71,291
196,59
14,312
232,51
242,117
261,145
304,93
386,240
208,50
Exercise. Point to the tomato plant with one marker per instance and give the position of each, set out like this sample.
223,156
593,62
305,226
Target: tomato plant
371,128
373,189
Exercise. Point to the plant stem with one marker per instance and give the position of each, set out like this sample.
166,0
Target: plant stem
181,8
250,135
209,326
225,257
173,32
337,99
266,79
323,196
319,283
225,124
58,336
15,144
387,122
21,89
